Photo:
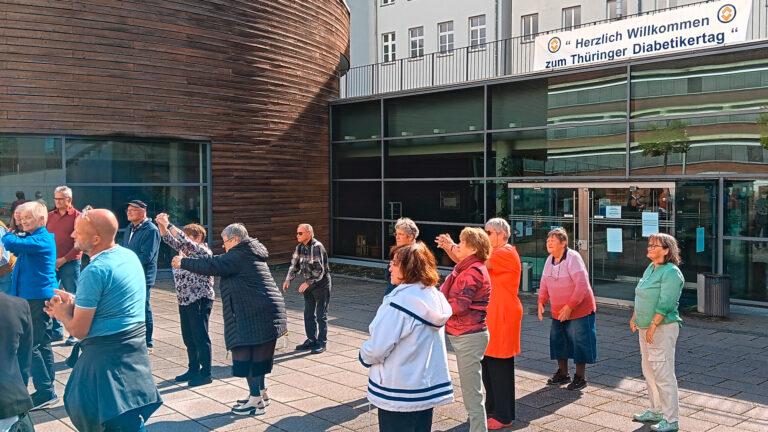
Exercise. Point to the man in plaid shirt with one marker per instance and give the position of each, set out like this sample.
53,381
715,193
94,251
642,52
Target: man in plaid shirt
310,263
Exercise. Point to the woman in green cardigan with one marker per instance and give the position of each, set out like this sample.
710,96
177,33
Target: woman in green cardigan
657,297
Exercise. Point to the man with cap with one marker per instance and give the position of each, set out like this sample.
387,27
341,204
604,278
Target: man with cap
143,238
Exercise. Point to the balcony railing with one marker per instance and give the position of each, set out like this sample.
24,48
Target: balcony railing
505,57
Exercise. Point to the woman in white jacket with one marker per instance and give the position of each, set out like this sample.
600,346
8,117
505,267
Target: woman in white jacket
406,352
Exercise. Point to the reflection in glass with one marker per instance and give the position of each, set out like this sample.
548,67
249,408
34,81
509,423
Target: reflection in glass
357,199
31,160
746,209
587,97
444,156
134,161
747,264
519,104
696,207
438,113
737,81
357,160
728,143
455,201
356,121
357,238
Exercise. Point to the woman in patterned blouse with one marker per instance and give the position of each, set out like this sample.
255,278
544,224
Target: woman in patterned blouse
195,295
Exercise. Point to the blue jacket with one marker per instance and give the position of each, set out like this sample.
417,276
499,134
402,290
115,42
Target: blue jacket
145,243
34,276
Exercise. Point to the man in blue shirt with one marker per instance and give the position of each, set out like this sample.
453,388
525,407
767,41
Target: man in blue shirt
34,279
142,237
111,387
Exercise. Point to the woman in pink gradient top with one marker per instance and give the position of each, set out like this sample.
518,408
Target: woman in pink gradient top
565,285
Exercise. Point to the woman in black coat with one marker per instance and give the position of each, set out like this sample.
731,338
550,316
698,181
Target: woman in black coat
253,306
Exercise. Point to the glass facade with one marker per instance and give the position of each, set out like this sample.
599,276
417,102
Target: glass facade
171,176
697,127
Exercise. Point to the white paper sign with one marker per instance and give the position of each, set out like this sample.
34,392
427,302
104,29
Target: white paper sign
682,29
613,212
615,241
650,223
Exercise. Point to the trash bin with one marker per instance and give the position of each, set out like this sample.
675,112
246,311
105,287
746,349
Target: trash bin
713,294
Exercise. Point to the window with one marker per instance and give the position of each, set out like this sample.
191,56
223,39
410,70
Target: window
445,37
477,32
615,10
664,4
530,26
387,2
416,38
571,17
388,47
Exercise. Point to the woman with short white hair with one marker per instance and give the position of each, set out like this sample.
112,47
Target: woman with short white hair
406,233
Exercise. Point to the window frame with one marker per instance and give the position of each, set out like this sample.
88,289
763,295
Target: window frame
418,51
533,26
387,2
574,23
478,43
388,47
447,47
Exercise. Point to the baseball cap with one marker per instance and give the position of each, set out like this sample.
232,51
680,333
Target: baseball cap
138,203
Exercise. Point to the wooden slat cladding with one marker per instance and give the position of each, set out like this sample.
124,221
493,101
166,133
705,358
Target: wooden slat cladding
252,77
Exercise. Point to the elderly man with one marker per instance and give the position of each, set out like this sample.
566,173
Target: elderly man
310,262
111,386
34,279
61,223
142,237
15,359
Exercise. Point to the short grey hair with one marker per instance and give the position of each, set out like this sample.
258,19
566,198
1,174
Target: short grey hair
64,190
309,229
499,225
36,209
235,230
407,226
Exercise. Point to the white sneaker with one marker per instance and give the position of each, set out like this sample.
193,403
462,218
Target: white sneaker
264,399
254,406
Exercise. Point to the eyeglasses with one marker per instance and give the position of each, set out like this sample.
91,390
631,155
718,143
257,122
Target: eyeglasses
300,233
654,246
228,240
489,232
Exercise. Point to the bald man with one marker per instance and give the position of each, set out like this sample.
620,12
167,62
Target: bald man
111,386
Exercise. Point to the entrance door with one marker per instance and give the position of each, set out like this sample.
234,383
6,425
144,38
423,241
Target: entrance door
607,223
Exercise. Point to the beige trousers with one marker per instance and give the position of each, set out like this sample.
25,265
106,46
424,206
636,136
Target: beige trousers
469,349
658,361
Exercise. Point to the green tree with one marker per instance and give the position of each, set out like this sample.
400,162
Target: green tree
661,141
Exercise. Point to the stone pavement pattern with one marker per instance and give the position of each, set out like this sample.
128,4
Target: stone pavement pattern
722,369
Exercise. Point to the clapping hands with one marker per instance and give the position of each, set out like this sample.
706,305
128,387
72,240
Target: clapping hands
176,261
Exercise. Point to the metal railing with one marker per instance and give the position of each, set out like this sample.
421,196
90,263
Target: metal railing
505,57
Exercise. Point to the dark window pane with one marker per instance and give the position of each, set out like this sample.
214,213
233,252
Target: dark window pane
357,238
746,209
696,209
184,204
357,160
722,144
702,84
30,161
438,113
454,201
747,264
445,156
357,199
588,96
519,104
356,121
123,161
588,150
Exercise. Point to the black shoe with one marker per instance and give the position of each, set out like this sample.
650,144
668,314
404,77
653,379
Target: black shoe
199,380
306,346
577,384
186,376
558,379
318,348
40,400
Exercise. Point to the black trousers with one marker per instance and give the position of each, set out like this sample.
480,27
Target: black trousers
415,421
42,355
316,300
194,332
499,382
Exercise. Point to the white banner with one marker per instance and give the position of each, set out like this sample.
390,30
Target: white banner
683,29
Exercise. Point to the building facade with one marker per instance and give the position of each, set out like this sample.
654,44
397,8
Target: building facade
200,108
612,152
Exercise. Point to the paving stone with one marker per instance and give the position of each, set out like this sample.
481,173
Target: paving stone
571,425
612,421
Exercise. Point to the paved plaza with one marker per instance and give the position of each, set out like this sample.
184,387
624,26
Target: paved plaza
722,368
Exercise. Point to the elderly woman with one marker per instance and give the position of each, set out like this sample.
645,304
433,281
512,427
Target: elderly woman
565,285
406,232
195,295
6,263
406,350
657,297
505,316
468,289
253,307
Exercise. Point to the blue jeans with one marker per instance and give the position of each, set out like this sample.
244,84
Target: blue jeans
67,276
148,319
42,354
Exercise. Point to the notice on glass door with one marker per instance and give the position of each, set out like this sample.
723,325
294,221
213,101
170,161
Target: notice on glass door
699,239
615,241
613,212
650,223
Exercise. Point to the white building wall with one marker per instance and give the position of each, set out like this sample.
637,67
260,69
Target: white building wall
362,35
